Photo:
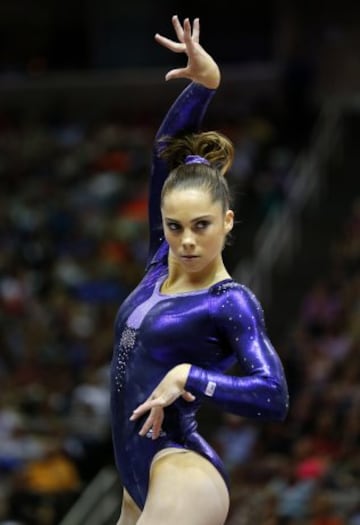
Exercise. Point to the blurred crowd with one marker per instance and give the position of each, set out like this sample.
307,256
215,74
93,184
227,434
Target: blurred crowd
307,471
73,241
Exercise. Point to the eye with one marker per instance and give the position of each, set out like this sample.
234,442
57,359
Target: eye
173,226
201,225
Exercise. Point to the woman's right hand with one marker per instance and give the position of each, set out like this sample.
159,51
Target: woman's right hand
170,388
201,67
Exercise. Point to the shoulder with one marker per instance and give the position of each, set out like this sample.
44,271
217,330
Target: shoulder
161,254
229,288
230,298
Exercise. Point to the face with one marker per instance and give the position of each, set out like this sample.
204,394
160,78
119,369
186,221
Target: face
195,228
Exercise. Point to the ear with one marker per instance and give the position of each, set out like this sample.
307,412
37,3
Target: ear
229,221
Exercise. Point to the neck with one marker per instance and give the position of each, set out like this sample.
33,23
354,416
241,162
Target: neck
180,281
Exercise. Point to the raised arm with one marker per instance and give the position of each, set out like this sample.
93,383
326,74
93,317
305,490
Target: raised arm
186,113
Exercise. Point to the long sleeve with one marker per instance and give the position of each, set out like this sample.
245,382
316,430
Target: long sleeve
185,114
260,391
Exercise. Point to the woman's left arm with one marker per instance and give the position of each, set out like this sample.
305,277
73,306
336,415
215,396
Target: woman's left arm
261,390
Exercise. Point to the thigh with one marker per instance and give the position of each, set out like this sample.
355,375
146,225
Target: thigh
185,488
130,512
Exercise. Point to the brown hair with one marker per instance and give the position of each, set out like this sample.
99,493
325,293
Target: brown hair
216,149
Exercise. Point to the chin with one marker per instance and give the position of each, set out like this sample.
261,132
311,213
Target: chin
192,265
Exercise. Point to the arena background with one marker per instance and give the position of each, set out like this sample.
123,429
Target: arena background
81,93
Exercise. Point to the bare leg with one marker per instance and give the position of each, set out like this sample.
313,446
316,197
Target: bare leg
185,488
130,512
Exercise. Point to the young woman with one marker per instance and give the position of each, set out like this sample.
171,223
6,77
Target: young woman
187,322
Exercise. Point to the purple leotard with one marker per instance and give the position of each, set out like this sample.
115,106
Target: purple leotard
212,329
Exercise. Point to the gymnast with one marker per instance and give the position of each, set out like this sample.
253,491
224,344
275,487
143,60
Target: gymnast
180,332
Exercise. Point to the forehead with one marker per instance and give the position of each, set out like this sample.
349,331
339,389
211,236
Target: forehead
191,200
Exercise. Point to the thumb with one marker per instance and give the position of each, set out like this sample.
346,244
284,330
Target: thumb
176,73
188,396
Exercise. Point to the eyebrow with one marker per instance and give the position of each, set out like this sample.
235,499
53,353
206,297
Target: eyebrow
201,218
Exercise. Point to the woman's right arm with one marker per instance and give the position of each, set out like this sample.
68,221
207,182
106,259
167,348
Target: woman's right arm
187,112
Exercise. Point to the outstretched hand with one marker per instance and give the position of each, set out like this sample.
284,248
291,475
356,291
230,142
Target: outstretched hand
168,390
200,67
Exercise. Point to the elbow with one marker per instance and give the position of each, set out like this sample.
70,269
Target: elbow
281,411
280,401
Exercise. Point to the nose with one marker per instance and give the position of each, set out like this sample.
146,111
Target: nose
188,240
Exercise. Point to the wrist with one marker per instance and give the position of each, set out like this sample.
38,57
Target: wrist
211,80
182,373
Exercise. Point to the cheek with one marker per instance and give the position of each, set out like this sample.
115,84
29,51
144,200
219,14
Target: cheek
170,237
216,241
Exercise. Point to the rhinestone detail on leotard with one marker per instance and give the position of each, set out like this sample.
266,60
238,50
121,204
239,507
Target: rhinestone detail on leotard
127,343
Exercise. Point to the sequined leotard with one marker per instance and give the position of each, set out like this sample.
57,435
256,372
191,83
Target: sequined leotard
211,329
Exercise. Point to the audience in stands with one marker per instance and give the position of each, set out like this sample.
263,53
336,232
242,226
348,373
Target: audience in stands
72,244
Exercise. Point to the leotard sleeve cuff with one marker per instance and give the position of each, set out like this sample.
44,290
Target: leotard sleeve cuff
257,396
197,381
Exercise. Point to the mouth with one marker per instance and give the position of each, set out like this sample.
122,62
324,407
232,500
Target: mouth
189,257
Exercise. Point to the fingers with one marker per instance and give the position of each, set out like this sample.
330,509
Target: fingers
144,407
170,388
188,36
186,32
160,401
184,35
158,418
169,44
178,28
153,423
196,30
